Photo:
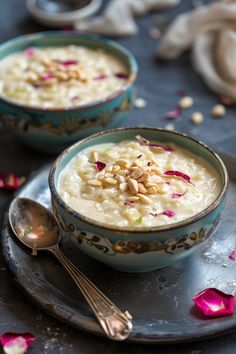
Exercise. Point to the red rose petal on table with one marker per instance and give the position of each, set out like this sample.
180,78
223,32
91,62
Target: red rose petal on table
178,174
121,75
16,343
214,303
144,141
11,181
227,101
29,52
174,114
232,256
178,195
99,165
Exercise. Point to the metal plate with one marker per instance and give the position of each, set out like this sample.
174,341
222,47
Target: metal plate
160,301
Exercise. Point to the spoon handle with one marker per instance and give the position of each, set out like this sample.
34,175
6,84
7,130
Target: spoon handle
114,323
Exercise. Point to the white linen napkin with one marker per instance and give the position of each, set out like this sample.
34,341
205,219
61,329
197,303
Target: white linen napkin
210,31
118,17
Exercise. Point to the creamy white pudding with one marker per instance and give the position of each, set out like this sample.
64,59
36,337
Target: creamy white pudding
136,183
60,77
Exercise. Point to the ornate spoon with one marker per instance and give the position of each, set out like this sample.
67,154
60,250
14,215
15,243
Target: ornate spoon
35,227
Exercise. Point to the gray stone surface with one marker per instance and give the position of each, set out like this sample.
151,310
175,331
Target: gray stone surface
158,83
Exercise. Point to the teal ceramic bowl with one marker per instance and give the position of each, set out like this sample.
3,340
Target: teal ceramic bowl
52,130
144,249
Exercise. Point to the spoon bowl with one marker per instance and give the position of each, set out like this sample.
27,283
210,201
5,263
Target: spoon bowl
33,224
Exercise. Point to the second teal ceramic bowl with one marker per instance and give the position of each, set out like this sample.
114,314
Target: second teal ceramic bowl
51,130
142,249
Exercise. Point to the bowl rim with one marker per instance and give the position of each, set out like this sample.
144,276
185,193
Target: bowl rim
91,37
147,229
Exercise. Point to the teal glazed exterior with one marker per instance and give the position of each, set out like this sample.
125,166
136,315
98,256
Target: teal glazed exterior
52,130
143,249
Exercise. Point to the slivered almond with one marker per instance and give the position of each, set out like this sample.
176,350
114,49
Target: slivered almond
157,149
133,199
155,162
133,186
149,184
123,187
144,177
108,174
123,172
156,169
110,180
94,182
152,190
120,179
141,188
137,172
144,199
122,163
94,156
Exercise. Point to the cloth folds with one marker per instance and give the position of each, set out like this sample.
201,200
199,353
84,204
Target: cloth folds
210,31
118,17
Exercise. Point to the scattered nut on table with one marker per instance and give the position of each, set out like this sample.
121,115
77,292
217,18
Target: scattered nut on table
218,111
197,118
186,102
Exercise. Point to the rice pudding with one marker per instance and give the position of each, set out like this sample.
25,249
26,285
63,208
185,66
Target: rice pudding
137,183
60,77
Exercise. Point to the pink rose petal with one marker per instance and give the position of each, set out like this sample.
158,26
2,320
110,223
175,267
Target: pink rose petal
16,343
101,77
214,303
178,174
144,141
99,165
232,256
129,203
47,76
174,114
169,213
29,52
68,62
121,75
178,195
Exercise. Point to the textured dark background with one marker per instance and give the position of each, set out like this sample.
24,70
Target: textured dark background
158,83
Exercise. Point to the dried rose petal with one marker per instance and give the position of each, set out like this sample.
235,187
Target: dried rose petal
16,343
67,62
11,181
227,101
129,203
174,114
169,213
214,303
47,76
29,52
101,77
232,256
99,165
121,75
178,174
144,141
178,195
